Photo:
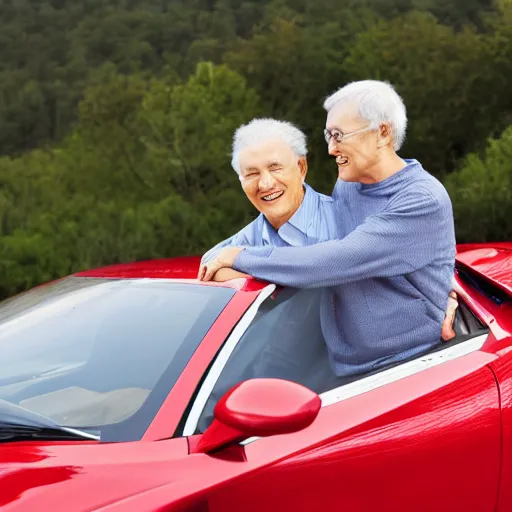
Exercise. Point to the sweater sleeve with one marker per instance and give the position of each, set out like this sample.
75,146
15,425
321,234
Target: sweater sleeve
414,230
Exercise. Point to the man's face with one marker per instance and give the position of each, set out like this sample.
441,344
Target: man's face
272,177
357,154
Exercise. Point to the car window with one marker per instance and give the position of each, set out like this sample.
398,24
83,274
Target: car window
283,341
102,354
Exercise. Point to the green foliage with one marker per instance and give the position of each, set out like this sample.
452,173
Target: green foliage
188,129
443,76
116,118
133,181
481,193
50,50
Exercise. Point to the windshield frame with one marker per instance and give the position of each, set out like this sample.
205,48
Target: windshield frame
170,419
189,424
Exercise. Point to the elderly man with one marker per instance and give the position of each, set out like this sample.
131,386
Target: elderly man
270,159
391,271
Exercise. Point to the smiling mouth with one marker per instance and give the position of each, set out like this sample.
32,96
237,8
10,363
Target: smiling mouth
342,160
273,197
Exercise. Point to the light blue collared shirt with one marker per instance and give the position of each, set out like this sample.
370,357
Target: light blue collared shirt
313,222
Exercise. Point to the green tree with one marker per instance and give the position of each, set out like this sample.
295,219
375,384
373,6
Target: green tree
293,68
187,129
444,77
481,193
117,117
146,173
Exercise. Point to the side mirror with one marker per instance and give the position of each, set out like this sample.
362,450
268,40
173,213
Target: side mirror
259,407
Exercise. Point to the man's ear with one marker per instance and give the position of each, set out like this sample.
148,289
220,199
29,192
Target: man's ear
303,167
385,135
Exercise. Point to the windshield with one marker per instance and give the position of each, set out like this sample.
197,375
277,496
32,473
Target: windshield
102,354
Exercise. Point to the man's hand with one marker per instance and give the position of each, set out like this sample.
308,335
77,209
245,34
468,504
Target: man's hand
447,332
224,259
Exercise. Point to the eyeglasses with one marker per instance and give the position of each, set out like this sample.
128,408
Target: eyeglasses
339,136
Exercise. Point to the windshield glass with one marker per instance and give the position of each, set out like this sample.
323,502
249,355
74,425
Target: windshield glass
102,354
284,341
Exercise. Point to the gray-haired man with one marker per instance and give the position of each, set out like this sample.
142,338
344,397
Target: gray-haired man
270,158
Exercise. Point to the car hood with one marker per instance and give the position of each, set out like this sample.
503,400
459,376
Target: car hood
85,476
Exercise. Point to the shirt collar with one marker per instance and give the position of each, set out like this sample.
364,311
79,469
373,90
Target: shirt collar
295,230
301,219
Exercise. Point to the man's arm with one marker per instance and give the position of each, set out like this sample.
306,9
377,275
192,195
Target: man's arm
240,239
411,233
209,255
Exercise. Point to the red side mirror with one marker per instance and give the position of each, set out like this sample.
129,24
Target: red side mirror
259,407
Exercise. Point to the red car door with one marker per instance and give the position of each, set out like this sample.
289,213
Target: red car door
407,439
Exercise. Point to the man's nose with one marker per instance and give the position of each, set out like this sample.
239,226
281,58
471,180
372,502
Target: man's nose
332,147
267,181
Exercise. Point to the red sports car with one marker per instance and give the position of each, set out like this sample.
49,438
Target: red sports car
137,388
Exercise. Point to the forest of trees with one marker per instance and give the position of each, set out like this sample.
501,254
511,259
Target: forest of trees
116,116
